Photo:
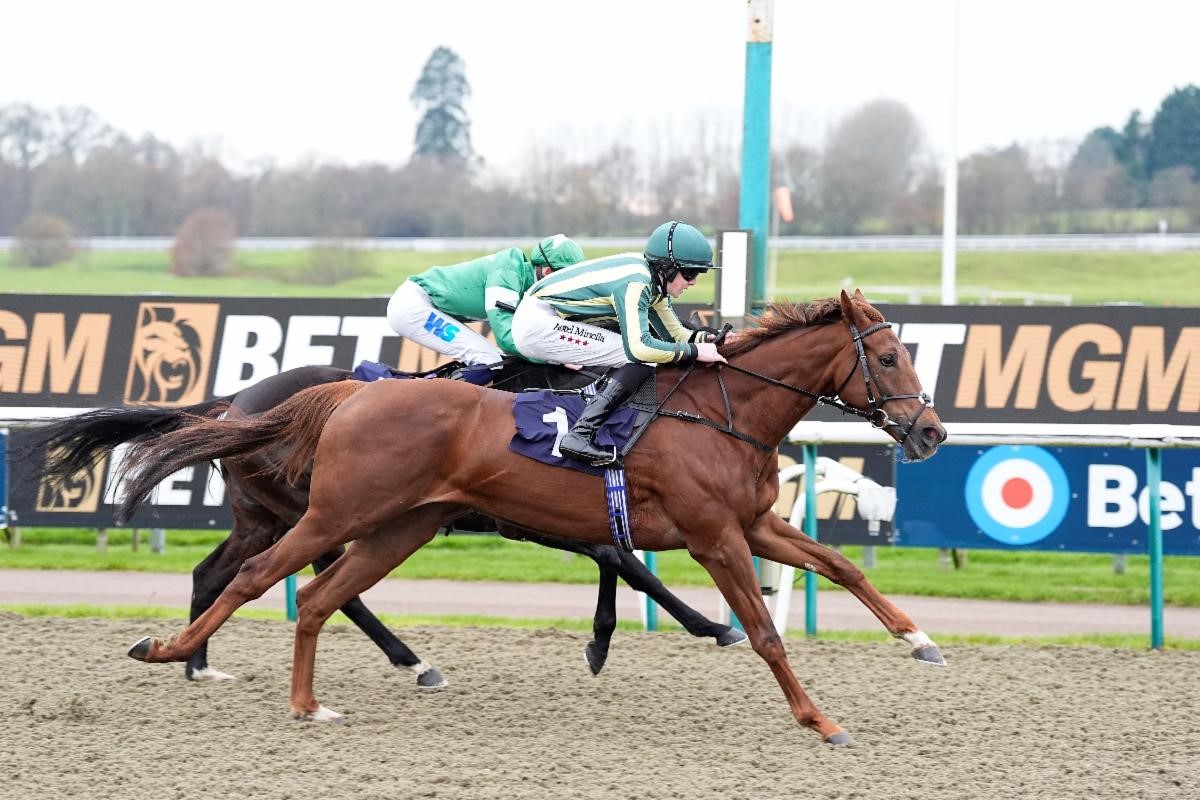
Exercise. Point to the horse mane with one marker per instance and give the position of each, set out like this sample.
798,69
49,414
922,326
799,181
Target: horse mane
784,316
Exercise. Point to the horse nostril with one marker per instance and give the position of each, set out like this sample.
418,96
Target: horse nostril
934,435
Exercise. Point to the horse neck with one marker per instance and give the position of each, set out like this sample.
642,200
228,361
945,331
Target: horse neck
806,358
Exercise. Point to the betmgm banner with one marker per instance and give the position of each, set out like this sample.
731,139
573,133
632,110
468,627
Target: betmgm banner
64,354
981,363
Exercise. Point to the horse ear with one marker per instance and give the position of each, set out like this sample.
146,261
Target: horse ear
847,307
859,296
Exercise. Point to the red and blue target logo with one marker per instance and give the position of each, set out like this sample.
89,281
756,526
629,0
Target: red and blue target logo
1017,495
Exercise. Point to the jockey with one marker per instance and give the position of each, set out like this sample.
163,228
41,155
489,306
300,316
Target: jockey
429,308
553,322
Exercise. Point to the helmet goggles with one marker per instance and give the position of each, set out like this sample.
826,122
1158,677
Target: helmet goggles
674,267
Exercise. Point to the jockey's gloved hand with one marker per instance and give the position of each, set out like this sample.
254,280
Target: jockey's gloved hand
706,352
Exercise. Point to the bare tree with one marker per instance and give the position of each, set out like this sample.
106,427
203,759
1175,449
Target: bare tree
75,130
994,188
24,143
868,163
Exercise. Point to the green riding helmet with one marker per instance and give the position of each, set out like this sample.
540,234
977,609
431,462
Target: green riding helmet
556,251
677,245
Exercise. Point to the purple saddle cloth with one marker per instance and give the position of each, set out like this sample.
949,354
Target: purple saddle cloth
544,417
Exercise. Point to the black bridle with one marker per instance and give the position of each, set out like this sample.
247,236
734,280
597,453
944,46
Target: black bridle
877,415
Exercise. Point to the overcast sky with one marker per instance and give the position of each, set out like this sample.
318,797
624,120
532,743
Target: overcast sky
289,80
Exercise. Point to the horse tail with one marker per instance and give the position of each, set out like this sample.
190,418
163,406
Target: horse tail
307,414
76,443
296,423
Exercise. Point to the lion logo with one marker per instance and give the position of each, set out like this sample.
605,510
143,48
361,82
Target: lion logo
79,493
172,348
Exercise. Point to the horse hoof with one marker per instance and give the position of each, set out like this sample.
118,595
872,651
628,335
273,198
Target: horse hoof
839,739
141,648
732,637
322,714
209,675
595,658
431,679
929,654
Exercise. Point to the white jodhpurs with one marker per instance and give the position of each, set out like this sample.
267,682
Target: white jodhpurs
540,333
412,314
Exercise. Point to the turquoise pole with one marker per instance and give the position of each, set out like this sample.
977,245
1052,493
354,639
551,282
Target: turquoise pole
810,528
289,585
754,203
651,606
1154,490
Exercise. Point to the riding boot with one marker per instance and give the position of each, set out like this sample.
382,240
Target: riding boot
618,387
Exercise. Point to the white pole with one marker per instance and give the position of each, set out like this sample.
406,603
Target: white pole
950,197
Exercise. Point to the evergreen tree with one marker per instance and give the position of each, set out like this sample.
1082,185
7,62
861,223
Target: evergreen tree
1133,148
444,131
1175,132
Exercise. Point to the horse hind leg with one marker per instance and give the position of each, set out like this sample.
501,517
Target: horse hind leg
773,538
361,567
312,536
253,532
397,652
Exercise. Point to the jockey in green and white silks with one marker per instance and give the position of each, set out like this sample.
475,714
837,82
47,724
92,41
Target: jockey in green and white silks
554,322
620,287
430,308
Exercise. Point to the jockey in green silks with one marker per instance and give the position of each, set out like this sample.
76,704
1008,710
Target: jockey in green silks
554,322
430,308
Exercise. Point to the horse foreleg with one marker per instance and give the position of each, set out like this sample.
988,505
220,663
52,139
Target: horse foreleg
311,537
635,573
362,566
397,652
772,538
731,567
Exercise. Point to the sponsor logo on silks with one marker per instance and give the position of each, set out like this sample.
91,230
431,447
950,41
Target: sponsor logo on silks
575,330
172,348
1017,495
80,493
441,328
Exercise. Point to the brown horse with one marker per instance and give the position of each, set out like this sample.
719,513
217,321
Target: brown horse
394,460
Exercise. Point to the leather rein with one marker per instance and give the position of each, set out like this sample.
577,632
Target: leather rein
877,415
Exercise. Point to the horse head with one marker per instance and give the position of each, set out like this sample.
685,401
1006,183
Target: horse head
883,383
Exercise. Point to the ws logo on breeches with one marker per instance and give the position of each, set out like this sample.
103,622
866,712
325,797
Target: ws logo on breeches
440,327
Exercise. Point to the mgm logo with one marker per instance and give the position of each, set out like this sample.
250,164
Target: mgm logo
172,353
79,493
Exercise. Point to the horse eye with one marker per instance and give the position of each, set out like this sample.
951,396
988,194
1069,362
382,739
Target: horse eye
888,360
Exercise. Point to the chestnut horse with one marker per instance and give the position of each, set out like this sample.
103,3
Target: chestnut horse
394,460
265,507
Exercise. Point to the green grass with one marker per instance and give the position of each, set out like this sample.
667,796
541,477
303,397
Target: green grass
1153,279
401,622
1089,278
989,574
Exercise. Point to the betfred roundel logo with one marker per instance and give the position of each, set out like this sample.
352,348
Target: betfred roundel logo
1017,495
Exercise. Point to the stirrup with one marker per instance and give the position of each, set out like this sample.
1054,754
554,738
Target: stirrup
606,461
594,461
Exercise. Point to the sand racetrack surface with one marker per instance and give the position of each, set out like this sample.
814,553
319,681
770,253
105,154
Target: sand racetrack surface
670,717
